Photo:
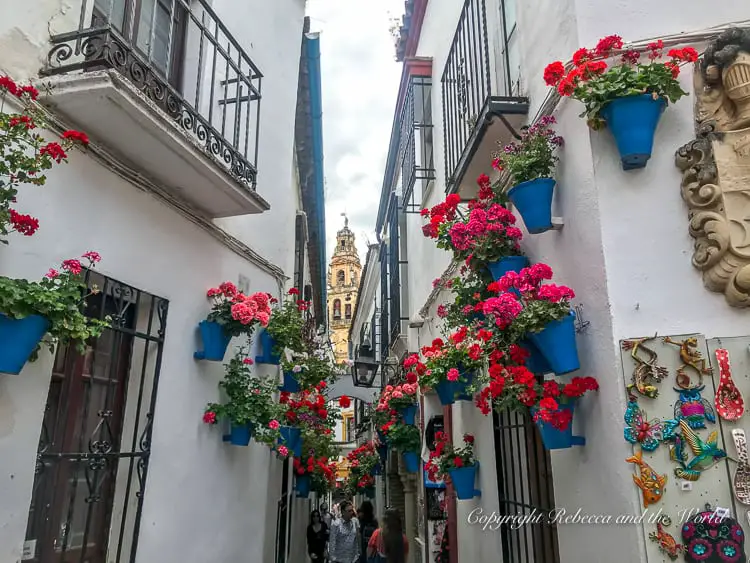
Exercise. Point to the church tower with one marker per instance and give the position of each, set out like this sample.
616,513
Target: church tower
343,285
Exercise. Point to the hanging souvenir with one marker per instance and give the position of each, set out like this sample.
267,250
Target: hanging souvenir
741,481
705,454
693,408
667,544
646,433
691,358
646,373
710,538
649,481
729,403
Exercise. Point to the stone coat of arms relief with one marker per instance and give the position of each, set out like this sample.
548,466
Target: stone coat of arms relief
716,167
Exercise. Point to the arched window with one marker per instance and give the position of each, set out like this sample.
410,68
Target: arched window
348,311
337,309
340,277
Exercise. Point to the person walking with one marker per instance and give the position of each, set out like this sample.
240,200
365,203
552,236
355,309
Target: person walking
317,536
367,526
326,517
388,543
343,539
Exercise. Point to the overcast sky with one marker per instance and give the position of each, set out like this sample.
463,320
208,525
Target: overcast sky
360,82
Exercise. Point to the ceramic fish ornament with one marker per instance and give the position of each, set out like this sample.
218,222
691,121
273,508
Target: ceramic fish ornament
691,407
649,481
667,544
646,433
705,454
728,400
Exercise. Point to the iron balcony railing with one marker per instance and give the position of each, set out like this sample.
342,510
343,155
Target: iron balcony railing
474,88
384,336
394,267
181,56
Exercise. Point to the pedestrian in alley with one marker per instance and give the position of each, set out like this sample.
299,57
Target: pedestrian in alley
326,516
388,543
317,537
343,543
367,526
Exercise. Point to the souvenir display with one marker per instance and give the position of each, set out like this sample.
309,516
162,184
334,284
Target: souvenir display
649,481
690,357
646,373
646,433
705,454
712,538
667,544
741,480
693,408
728,400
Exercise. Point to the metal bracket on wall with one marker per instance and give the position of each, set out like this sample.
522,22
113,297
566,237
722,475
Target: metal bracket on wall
557,223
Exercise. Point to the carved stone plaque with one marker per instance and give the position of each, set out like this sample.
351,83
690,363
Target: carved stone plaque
716,167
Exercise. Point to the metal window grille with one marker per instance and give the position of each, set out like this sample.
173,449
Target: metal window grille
394,269
215,98
416,146
525,486
384,300
95,441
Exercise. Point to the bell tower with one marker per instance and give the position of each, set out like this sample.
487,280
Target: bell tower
343,284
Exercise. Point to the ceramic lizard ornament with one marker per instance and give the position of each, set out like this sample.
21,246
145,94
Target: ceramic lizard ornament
646,373
691,358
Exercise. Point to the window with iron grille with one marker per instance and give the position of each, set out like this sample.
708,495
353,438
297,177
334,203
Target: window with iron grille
95,441
394,269
384,335
525,485
509,50
416,146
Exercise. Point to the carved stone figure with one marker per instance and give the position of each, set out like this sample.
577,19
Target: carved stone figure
716,167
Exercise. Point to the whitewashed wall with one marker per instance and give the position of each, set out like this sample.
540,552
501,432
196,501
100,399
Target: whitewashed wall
624,249
203,499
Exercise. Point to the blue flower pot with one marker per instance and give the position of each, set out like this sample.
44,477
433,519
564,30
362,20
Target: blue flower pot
409,414
302,485
369,492
18,340
291,437
533,199
411,462
215,342
555,439
382,437
446,392
377,470
383,453
290,385
508,264
239,435
633,121
460,387
536,362
267,344
557,343
463,482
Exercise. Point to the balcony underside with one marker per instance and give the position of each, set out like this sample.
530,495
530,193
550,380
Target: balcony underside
194,167
501,118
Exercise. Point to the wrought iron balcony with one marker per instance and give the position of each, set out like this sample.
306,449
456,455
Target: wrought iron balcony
178,58
476,88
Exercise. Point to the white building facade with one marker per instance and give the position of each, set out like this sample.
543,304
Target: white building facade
191,109
621,242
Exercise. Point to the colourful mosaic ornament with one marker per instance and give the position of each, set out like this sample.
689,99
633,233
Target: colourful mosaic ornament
693,408
705,454
646,433
710,538
649,481
741,480
667,544
728,400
